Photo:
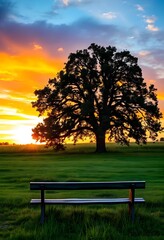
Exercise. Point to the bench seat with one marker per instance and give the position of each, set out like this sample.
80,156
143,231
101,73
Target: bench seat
76,201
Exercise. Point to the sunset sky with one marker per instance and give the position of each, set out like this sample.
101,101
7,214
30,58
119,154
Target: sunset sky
36,37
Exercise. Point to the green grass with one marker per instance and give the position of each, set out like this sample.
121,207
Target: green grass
21,164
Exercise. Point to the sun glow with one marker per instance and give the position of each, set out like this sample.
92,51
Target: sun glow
22,135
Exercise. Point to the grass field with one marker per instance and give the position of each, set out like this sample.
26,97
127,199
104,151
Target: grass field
21,164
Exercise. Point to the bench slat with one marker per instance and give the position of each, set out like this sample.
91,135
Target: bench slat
80,201
85,185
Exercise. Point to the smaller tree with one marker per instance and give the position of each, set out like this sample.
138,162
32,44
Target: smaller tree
100,91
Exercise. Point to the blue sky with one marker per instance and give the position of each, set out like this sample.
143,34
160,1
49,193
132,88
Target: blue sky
67,11
131,24
36,37
106,21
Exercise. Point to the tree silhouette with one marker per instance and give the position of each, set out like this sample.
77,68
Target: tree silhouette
100,92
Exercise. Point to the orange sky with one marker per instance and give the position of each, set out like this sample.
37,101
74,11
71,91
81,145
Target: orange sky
19,77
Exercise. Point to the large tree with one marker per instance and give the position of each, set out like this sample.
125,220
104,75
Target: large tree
100,92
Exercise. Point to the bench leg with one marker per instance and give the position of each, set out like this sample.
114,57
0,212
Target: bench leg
42,213
131,211
131,204
42,207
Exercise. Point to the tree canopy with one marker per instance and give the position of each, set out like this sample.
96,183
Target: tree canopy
100,92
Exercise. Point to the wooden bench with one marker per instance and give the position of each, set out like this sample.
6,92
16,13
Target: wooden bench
130,200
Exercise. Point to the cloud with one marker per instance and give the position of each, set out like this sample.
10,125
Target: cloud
152,28
153,57
144,53
109,15
150,24
50,36
68,3
60,49
139,7
15,112
150,20
37,47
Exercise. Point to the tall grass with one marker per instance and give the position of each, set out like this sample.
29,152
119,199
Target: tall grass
20,165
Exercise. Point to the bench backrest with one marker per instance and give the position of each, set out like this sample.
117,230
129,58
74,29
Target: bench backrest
86,185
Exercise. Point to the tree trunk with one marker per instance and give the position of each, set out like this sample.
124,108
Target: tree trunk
100,141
